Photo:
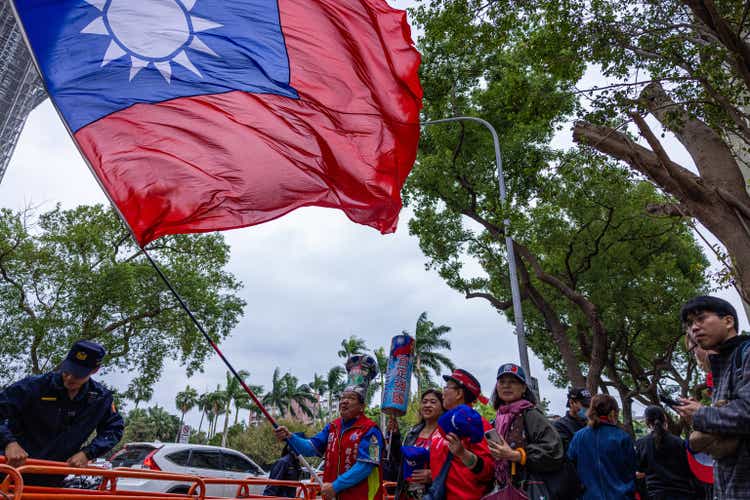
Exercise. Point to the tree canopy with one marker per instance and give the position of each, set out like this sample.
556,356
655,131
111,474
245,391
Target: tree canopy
78,274
602,280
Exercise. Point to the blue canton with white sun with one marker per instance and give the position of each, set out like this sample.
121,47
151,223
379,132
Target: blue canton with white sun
101,56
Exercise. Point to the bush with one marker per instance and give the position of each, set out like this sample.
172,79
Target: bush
260,444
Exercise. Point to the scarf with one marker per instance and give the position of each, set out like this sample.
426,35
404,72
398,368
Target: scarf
503,420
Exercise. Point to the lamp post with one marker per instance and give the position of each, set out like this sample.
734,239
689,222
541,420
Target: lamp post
515,291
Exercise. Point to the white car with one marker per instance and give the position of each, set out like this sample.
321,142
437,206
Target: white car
192,459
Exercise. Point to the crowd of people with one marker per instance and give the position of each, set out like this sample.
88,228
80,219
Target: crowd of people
453,452
521,454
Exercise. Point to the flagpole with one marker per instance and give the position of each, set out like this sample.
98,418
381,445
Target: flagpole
515,291
215,347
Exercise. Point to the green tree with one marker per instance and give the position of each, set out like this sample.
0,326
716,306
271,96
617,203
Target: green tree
428,342
599,277
351,346
72,274
335,383
278,396
683,62
216,403
298,396
232,391
319,386
185,401
150,424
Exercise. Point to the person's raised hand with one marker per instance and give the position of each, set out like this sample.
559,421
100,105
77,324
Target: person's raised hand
15,454
282,433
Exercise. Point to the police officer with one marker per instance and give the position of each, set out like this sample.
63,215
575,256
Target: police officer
51,416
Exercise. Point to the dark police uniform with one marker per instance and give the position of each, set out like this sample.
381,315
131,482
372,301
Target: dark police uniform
38,414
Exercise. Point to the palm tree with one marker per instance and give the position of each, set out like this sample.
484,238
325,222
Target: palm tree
231,392
203,407
319,386
243,402
185,401
277,396
302,395
335,384
428,341
382,358
351,346
216,404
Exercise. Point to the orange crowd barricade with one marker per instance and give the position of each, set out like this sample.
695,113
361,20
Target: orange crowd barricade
108,488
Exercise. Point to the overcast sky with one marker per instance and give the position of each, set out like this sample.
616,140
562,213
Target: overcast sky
312,278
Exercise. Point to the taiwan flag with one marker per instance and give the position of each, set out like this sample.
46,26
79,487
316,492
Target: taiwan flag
203,115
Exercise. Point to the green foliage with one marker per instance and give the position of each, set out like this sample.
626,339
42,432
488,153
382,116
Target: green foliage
351,346
429,341
72,274
286,390
260,444
600,277
150,424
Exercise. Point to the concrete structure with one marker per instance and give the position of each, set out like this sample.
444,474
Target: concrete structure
20,87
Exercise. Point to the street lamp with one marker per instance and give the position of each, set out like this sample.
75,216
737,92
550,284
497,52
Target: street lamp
515,291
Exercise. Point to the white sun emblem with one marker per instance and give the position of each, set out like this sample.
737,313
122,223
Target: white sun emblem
150,32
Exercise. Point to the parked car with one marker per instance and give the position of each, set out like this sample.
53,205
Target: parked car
193,459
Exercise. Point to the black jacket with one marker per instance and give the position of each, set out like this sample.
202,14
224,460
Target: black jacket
667,470
567,426
38,414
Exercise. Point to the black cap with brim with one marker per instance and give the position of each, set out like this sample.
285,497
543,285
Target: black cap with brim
75,369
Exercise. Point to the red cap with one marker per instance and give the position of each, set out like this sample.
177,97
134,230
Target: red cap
468,382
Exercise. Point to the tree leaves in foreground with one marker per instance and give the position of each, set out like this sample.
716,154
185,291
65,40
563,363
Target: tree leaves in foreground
78,274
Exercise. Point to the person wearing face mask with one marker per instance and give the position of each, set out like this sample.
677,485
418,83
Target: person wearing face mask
421,435
579,399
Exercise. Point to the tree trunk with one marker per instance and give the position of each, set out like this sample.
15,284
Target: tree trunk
200,424
717,197
179,429
227,412
627,413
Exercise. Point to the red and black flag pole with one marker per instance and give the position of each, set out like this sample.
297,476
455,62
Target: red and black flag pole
236,375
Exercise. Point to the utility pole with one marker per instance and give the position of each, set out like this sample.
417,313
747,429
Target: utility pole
515,292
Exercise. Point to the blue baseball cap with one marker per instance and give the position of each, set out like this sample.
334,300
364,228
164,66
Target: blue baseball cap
83,358
464,422
414,458
512,369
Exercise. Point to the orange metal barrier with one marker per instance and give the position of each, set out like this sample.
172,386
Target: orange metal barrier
243,486
389,490
13,488
108,489
12,485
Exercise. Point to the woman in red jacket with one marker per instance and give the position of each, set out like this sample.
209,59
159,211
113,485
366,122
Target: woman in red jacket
472,468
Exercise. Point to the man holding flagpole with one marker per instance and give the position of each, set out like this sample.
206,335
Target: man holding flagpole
351,445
